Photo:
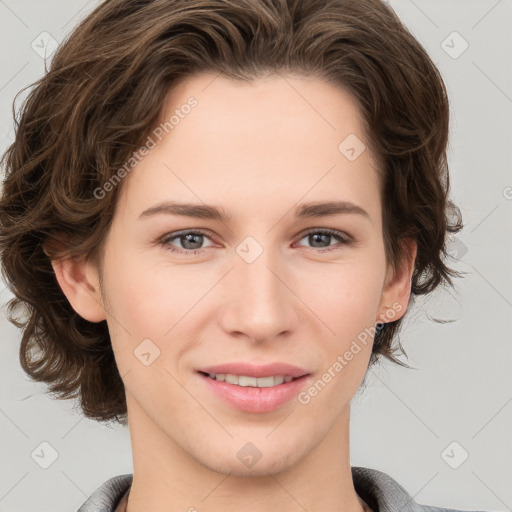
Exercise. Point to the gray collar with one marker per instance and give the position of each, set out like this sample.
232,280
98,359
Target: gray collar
379,490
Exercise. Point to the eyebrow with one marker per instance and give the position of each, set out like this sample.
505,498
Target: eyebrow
204,211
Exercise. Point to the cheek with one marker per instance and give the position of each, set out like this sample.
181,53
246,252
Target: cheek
350,314
346,300
344,295
148,298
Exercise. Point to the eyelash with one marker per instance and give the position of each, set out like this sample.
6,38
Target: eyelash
343,239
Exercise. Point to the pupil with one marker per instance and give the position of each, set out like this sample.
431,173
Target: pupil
187,240
319,235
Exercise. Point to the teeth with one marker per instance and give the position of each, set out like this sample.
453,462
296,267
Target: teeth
244,380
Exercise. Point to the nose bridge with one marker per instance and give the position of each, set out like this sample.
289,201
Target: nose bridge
261,306
260,280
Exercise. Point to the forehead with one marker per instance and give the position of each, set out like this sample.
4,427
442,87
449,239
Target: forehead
276,135
274,102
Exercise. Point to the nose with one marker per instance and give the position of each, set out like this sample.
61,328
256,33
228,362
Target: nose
259,302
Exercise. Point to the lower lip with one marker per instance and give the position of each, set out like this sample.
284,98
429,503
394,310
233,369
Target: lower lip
253,399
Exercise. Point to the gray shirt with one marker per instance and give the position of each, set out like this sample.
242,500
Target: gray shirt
381,492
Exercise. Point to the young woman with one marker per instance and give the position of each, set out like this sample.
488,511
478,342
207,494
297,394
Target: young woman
216,215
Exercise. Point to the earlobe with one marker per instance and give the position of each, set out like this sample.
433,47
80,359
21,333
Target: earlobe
79,281
397,290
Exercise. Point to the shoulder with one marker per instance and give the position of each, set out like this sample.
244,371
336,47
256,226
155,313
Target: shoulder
385,494
106,497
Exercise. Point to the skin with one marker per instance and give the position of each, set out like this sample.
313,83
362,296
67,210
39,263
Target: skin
257,150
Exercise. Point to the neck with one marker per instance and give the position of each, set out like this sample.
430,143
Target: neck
172,476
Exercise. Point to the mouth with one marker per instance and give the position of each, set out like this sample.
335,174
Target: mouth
251,381
252,394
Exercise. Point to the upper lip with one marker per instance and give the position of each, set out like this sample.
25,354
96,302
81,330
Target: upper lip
251,370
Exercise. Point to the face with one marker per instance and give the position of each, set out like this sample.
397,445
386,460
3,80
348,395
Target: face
262,285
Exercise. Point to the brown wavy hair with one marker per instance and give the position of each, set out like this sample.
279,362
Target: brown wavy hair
104,93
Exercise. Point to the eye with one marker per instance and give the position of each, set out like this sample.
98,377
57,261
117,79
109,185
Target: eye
320,236
190,241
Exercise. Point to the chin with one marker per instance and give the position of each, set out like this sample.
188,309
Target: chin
244,459
262,469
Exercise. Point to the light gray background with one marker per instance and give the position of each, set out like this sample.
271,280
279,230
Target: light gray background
461,391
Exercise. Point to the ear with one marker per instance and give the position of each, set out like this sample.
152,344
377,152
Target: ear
397,286
79,281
